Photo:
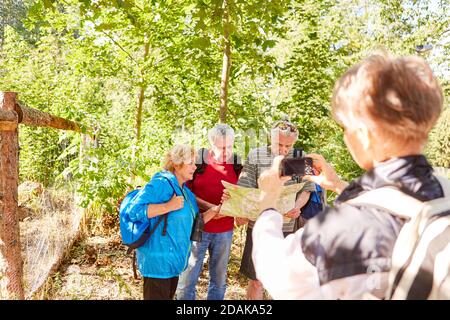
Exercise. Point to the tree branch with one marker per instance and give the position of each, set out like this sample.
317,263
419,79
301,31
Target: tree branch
120,46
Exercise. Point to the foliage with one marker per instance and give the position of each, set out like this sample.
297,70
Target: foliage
89,61
438,149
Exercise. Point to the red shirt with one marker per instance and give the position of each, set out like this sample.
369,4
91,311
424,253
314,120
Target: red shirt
208,186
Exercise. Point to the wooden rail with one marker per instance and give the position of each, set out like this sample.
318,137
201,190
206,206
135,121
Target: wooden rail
9,119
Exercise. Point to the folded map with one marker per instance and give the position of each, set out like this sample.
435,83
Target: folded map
244,202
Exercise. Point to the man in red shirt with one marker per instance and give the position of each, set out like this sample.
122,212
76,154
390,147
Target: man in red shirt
216,164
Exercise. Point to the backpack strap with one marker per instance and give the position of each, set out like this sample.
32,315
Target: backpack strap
147,234
143,240
411,247
133,263
426,220
165,215
203,157
201,161
237,164
439,205
404,206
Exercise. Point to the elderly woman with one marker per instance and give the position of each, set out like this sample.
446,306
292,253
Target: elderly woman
386,107
165,255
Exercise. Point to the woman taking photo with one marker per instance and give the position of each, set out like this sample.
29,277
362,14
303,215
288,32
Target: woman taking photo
386,106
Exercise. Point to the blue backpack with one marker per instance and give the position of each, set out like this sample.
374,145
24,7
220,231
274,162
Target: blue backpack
136,233
314,204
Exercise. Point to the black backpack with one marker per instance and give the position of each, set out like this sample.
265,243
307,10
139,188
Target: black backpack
201,162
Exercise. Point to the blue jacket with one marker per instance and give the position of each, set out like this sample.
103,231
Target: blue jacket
164,256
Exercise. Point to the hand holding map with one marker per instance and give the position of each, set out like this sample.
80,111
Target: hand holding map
244,202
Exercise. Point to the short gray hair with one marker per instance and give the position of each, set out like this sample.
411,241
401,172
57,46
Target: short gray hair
220,130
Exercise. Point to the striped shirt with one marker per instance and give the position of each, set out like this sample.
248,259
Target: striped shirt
259,160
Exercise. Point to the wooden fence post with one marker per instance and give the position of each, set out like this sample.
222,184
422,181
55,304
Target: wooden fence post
11,265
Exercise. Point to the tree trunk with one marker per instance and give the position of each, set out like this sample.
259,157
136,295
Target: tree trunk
226,64
138,123
11,265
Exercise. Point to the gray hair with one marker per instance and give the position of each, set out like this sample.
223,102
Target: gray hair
284,127
220,130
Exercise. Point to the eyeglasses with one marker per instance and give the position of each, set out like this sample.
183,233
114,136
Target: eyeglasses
286,125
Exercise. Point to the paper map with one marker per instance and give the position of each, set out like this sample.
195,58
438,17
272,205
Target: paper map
244,202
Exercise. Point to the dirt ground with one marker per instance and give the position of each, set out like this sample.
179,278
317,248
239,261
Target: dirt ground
98,268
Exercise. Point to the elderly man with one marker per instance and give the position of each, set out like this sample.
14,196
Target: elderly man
213,165
283,136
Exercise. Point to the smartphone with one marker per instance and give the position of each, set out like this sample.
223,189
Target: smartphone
296,167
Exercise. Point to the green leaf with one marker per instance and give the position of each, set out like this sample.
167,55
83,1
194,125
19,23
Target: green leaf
268,44
105,26
48,4
201,43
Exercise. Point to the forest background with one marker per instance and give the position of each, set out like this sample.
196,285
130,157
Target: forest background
142,75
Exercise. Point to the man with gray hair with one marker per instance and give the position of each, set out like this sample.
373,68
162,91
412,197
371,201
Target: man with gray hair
213,165
283,136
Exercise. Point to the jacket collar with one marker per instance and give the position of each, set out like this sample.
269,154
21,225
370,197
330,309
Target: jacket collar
172,178
412,174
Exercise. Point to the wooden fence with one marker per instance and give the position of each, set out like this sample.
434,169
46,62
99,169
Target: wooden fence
13,113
